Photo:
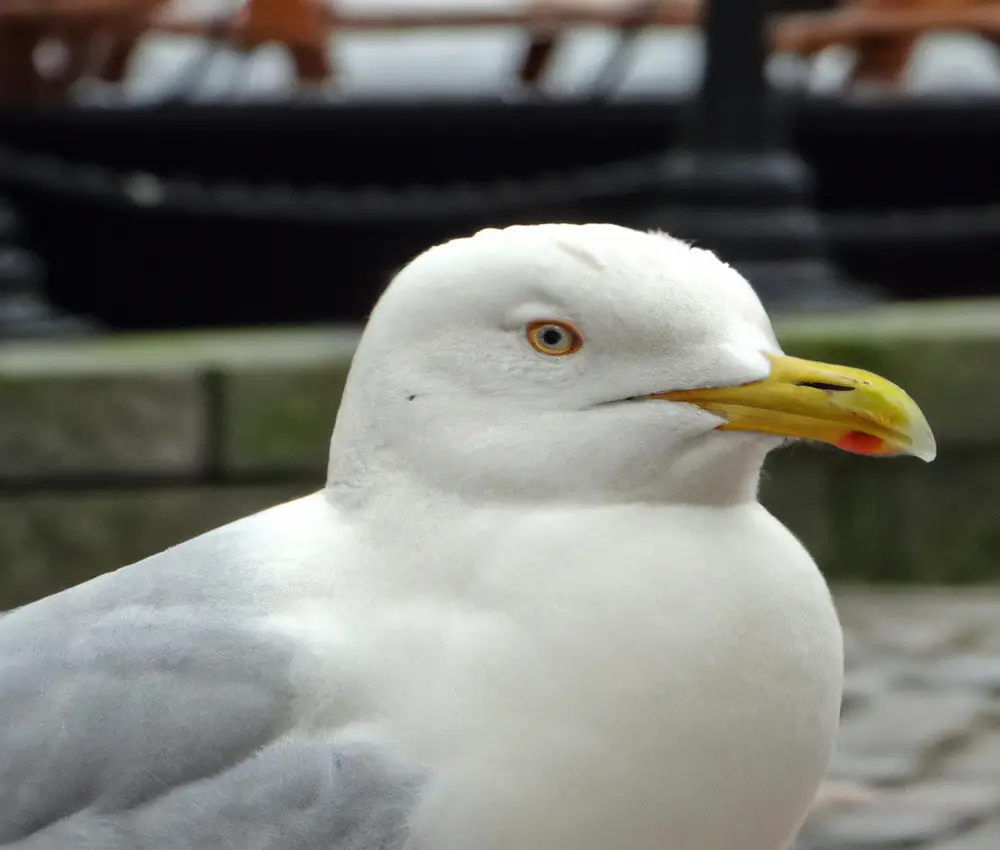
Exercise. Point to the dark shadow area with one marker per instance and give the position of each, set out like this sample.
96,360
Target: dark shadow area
136,268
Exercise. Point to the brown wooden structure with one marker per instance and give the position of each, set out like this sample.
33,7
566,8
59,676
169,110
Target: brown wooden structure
97,37
884,33
84,31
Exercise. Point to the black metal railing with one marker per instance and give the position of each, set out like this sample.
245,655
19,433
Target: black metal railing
141,190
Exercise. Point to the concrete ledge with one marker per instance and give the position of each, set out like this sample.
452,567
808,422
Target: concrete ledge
53,540
102,424
280,418
947,356
216,425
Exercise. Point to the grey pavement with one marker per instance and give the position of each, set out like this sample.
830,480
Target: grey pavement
919,745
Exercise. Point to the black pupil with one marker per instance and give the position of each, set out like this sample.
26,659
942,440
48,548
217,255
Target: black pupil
552,337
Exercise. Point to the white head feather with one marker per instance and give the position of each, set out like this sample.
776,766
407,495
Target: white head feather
445,386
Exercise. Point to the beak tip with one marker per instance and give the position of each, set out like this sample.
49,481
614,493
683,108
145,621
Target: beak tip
922,444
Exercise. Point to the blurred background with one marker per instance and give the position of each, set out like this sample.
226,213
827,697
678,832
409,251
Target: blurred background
200,201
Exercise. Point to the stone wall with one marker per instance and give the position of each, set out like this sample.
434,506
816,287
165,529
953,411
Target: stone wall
114,448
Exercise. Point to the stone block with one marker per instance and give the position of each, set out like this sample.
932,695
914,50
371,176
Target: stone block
890,519
944,355
795,487
101,424
280,419
862,351
977,762
917,625
907,818
952,380
986,836
903,520
958,671
906,725
50,541
145,404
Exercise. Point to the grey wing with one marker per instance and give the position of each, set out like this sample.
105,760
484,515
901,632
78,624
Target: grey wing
148,727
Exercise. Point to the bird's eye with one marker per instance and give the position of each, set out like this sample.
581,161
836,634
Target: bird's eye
554,338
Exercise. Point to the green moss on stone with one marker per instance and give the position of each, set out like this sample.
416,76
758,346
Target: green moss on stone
280,419
137,404
795,487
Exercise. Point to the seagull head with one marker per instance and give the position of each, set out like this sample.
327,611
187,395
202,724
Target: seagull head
587,362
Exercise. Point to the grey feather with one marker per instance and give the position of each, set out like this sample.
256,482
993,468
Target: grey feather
150,709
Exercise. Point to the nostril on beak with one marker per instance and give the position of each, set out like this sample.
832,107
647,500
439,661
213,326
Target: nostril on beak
820,385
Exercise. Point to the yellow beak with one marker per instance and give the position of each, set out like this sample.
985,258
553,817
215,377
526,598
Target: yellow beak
848,408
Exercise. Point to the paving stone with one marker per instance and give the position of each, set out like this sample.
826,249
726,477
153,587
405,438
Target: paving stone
912,817
979,672
921,720
857,651
916,638
835,795
984,837
864,684
909,724
988,638
876,770
918,625
979,760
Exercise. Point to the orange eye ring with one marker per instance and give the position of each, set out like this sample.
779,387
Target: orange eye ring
556,339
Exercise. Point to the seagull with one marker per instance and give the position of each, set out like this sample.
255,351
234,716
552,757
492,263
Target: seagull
537,605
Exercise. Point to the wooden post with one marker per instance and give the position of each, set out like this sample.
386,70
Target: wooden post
883,32
303,27
545,36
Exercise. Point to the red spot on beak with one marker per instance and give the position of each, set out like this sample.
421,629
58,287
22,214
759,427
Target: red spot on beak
862,444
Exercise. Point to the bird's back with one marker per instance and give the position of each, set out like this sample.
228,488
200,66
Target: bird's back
155,702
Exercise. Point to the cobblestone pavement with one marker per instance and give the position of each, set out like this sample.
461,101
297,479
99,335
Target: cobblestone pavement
921,726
